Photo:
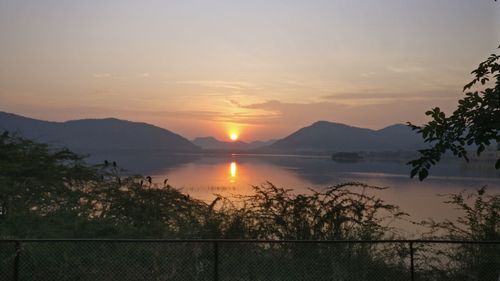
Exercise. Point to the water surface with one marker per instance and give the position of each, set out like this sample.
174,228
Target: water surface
204,176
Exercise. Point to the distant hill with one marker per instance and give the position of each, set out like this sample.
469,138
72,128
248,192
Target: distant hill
90,135
259,144
335,137
212,143
99,137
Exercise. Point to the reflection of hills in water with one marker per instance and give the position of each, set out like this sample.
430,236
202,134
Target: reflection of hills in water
142,161
206,177
312,169
324,171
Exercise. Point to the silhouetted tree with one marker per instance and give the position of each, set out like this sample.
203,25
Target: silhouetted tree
478,221
476,121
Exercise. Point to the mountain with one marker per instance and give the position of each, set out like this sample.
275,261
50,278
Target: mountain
89,135
331,137
260,144
403,135
100,137
212,143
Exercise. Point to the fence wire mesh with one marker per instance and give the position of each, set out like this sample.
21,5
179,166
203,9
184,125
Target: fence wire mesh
7,260
248,260
457,262
312,261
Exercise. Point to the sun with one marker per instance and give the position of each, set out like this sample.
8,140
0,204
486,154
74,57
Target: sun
233,136
233,131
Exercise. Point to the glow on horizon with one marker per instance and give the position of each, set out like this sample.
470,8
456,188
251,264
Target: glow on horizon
261,68
233,136
233,131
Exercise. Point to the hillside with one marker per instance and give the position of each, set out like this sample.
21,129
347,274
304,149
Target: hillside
89,135
328,136
212,143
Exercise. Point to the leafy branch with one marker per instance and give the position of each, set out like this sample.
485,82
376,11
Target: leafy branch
476,121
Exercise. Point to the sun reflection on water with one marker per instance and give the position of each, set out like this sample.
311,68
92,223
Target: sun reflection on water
232,172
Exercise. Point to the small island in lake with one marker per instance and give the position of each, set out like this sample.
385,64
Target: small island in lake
346,157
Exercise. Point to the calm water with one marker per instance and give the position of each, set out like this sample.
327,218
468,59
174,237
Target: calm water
204,176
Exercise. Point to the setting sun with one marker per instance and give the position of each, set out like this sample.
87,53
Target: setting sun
233,136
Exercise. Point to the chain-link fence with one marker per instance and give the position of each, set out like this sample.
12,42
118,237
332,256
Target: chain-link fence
248,260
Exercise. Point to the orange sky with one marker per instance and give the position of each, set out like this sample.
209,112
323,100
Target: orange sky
263,68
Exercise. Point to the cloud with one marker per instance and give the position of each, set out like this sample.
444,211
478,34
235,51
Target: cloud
104,75
368,74
296,115
101,75
233,85
392,97
247,117
405,69
293,114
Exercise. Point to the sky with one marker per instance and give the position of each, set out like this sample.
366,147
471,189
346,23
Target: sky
262,68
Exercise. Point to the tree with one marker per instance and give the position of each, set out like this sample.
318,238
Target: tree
478,221
476,121
40,188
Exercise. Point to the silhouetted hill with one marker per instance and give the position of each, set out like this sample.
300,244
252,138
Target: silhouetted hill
88,135
259,144
212,143
100,136
328,136
401,135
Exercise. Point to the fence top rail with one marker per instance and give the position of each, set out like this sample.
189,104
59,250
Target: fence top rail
262,241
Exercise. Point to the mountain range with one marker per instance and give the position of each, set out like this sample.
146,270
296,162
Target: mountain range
110,134
215,144
334,137
97,134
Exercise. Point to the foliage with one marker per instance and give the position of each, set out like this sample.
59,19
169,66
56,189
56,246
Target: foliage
40,189
341,212
53,193
476,121
47,193
245,261
479,221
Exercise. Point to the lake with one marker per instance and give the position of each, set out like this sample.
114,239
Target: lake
202,176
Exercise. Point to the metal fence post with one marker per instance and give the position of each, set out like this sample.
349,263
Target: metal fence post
216,261
16,260
412,265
